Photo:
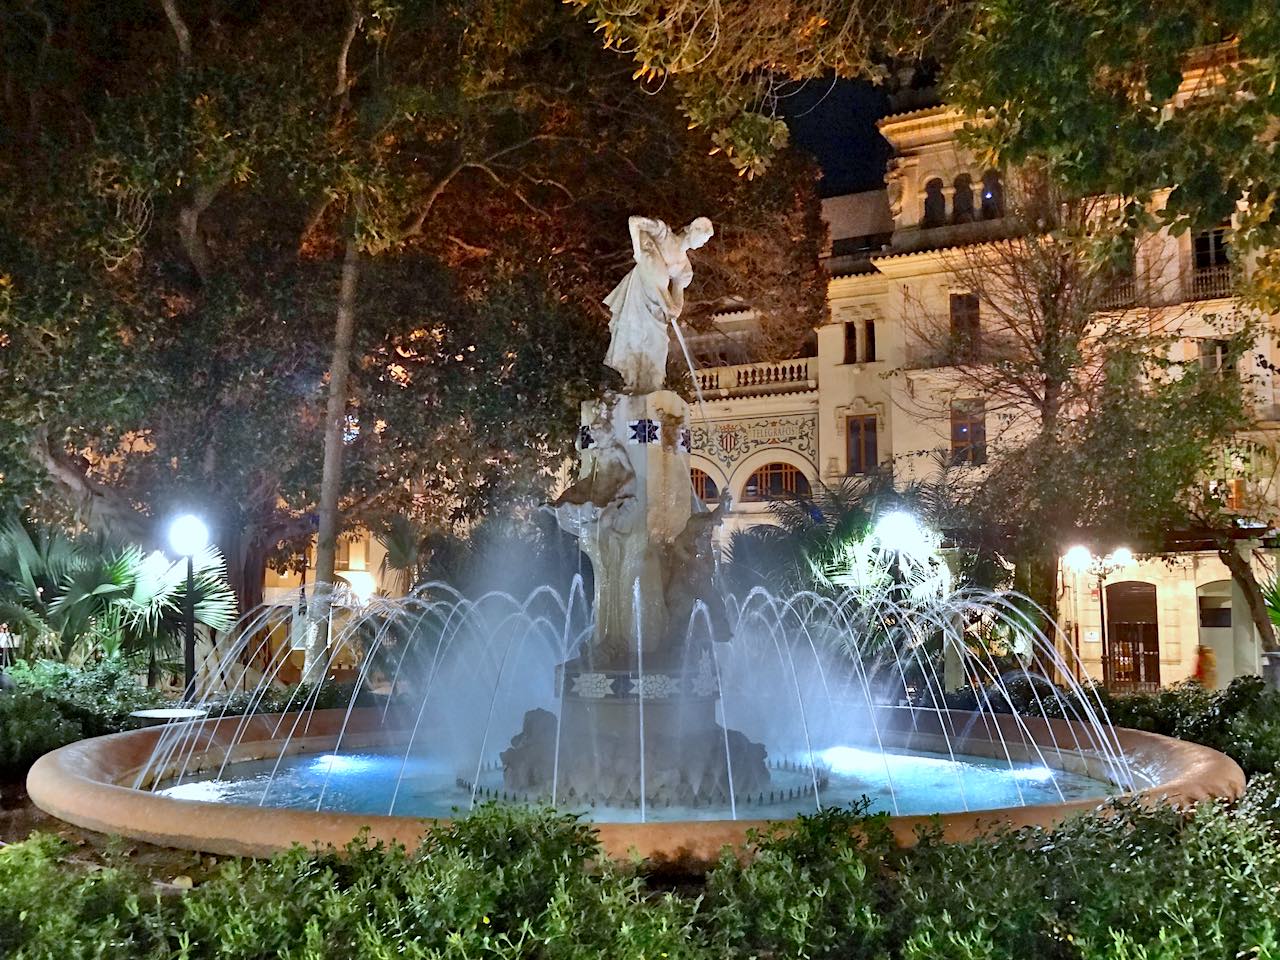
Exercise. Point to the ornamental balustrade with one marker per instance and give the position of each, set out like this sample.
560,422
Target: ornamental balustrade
746,379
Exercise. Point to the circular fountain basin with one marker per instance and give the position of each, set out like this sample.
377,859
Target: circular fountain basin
1018,771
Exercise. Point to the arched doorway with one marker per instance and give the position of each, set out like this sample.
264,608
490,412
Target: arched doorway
1213,606
1131,653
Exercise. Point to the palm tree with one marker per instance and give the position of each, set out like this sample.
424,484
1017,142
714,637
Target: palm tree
85,598
809,533
407,549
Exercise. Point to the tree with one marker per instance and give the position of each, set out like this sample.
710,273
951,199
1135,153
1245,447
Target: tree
65,596
168,299
1137,99
1045,302
732,61
1173,101
809,534
1156,456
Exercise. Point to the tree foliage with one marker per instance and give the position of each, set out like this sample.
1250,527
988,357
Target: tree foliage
1134,98
732,61
176,187
87,598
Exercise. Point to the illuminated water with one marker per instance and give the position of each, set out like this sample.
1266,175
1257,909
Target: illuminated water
365,782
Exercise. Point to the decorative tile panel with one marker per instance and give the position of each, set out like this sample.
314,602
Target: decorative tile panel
728,442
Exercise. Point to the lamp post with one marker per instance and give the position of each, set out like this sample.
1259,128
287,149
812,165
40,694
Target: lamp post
188,536
1080,559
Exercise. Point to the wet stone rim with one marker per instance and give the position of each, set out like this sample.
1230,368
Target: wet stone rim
88,784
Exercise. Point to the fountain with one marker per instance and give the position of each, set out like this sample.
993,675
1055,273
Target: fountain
674,715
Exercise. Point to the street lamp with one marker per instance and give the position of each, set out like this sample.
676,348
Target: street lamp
900,532
188,536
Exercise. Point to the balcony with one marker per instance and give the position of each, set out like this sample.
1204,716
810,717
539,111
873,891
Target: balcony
1121,294
759,379
1210,283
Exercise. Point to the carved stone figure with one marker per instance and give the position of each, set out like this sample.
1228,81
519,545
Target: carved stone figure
690,576
602,510
649,298
894,185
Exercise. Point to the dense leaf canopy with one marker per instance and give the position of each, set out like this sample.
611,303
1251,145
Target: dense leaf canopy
176,181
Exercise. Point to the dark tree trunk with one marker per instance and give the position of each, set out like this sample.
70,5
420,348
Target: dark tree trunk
331,480
1242,573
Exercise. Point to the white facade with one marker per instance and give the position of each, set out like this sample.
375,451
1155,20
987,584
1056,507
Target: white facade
890,261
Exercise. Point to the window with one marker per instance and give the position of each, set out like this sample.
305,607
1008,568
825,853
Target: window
1231,493
342,554
862,444
962,200
935,205
969,432
964,326
992,196
1211,264
1210,248
1214,611
850,342
1215,355
776,480
869,342
703,486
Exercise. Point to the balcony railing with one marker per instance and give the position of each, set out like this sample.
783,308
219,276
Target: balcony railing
1210,283
1121,294
749,379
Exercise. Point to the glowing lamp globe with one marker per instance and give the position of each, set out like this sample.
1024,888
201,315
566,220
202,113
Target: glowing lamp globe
188,535
1122,556
901,531
1078,559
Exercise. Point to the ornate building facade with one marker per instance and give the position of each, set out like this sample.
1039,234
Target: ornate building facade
876,393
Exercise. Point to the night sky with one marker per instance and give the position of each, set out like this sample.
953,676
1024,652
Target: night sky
836,123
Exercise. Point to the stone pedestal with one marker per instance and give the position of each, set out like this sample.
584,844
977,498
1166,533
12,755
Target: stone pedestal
629,535
638,702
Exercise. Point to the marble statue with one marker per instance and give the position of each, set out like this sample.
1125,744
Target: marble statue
637,722
649,298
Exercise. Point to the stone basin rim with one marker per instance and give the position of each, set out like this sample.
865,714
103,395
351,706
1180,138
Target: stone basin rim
83,784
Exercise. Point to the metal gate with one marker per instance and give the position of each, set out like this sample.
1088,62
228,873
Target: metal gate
1131,662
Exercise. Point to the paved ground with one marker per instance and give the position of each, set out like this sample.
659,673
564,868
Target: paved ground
19,818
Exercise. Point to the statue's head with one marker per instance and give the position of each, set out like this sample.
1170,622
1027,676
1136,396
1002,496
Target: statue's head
697,233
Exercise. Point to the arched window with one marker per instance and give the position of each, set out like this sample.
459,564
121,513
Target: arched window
704,486
992,196
776,480
962,200
935,204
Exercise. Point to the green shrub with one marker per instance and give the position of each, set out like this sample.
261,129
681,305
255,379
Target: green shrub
30,726
99,695
812,888
1134,882
278,699
1242,721
53,910
499,883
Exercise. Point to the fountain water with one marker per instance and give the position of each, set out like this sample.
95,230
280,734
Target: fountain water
661,699
625,709
460,700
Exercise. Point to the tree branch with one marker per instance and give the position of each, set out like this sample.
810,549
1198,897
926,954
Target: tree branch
354,18
180,31
189,227
97,506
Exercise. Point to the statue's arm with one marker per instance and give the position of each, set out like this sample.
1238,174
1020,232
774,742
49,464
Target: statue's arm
639,226
675,300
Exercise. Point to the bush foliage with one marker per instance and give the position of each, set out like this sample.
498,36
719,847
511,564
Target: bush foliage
30,726
1131,882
